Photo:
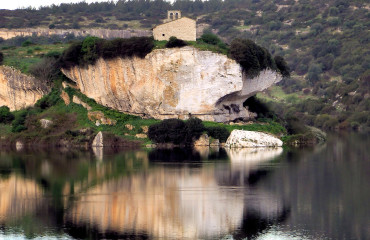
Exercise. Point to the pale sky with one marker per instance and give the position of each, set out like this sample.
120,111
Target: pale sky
14,4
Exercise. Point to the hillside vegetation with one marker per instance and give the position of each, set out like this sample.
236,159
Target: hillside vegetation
326,45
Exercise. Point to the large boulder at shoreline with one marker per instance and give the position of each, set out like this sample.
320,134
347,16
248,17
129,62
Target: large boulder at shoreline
244,139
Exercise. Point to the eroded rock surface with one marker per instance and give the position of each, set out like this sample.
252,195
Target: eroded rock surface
245,139
172,83
18,90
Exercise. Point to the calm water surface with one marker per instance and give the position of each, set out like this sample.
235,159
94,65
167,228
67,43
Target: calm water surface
315,193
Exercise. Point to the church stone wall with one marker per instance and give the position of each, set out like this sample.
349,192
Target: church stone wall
183,28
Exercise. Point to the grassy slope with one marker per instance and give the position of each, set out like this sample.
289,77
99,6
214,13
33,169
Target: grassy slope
69,120
24,57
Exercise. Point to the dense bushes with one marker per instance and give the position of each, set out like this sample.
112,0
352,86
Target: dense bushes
18,124
212,39
250,56
5,115
92,48
49,100
176,131
1,58
184,132
175,42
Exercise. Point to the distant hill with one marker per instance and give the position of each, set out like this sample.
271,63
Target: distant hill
326,44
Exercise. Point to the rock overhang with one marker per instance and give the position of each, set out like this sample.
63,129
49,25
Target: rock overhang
173,83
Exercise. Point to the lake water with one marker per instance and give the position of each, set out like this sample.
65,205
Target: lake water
311,193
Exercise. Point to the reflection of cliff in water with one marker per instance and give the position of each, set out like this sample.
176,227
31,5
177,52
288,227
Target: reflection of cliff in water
18,196
185,202
138,195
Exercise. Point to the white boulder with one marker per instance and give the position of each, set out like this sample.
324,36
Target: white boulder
45,123
243,139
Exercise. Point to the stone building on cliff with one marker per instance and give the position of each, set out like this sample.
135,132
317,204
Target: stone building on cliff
181,27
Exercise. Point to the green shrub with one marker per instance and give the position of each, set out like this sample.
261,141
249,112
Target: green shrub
27,43
210,38
250,56
219,133
71,56
49,100
89,50
194,128
168,131
19,121
1,58
175,42
5,115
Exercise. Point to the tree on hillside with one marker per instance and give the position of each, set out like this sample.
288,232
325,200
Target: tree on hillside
282,66
250,56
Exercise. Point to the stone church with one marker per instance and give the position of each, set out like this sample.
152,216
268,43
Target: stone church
181,27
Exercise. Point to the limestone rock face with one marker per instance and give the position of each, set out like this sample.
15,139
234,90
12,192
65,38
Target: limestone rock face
18,90
242,139
172,83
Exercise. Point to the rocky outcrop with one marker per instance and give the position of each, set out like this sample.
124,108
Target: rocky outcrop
46,123
65,97
99,118
172,83
77,100
243,139
98,140
18,90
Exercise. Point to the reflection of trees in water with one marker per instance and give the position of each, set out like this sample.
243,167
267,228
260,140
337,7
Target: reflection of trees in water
94,232
186,155
254,223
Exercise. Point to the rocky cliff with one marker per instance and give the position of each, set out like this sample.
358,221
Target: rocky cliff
18,90
176,82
